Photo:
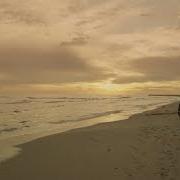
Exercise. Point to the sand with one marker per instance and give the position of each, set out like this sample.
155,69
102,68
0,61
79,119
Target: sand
144,147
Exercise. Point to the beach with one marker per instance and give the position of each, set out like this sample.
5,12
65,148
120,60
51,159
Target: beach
144,147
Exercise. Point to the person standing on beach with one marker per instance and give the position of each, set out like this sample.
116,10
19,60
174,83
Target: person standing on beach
179,110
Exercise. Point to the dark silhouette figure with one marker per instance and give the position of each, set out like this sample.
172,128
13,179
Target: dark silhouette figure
179,110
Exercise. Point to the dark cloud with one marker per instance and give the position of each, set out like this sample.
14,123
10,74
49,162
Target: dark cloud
11,12
152,69
77,41
46,66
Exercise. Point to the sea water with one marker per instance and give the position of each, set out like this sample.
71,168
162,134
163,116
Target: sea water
26,118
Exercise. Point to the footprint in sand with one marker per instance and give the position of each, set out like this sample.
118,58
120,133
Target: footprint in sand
109,149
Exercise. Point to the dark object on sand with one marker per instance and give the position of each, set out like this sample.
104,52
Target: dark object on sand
179,110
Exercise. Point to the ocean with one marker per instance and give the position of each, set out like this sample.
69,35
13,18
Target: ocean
26,118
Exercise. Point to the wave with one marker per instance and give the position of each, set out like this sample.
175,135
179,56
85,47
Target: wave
8,130
54,102
92,116
19,102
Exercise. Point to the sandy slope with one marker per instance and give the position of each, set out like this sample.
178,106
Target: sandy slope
145,147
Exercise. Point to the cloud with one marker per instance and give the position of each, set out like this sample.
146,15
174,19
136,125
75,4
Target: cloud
76,41
153,69
12,12
30,66
132,41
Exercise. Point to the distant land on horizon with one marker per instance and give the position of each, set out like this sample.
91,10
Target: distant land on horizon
176,95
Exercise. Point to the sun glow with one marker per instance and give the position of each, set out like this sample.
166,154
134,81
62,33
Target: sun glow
101,88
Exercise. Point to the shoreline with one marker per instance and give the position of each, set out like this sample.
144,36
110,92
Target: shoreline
146,146
9,146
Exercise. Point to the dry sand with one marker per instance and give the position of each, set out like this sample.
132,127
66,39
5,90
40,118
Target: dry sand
144,147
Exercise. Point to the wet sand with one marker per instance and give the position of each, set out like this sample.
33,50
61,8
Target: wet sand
144,147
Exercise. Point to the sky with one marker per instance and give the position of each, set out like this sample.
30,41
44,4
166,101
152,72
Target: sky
90,46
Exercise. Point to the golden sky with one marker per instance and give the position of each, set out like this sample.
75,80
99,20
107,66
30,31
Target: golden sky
90,46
